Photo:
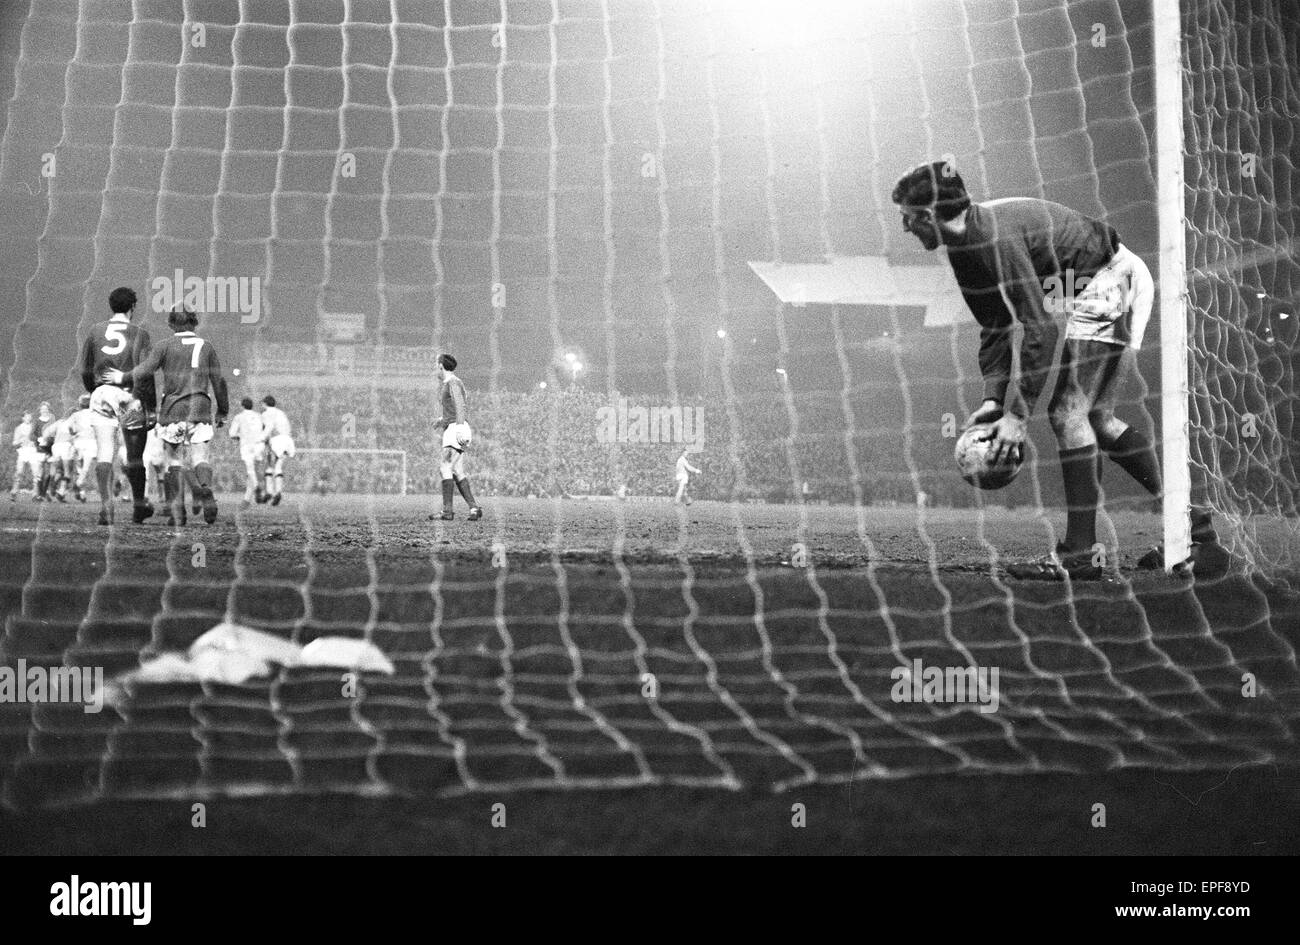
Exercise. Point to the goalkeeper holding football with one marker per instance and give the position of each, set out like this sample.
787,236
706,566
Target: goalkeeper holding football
1044,259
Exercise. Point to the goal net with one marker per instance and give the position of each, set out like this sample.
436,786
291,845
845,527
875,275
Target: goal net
1242,111
576,198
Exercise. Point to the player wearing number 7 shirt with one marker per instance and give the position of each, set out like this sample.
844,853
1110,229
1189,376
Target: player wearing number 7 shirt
185,423
118,346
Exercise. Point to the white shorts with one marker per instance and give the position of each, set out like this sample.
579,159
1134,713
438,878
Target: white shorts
85,449
153,452
100,422
62,451
113,405
457,436
185,432
253,453
281,445
1115,306
27,454
683,479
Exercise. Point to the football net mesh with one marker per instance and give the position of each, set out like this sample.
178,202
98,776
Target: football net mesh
1242,95
540,177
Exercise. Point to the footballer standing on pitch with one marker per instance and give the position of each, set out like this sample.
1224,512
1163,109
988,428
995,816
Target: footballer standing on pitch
118,346
186,422
456,436
1045,258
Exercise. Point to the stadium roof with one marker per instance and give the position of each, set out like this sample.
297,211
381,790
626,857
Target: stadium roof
867,280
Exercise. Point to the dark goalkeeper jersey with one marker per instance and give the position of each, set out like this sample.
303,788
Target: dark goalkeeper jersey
117,345
190,366
1016,246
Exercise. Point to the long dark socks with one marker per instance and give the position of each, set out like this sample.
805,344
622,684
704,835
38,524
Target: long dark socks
463,485
1079,469
1134,453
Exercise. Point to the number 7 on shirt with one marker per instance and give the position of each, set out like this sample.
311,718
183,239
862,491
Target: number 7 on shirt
198,346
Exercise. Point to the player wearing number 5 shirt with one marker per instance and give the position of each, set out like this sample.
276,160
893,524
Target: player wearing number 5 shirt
126,407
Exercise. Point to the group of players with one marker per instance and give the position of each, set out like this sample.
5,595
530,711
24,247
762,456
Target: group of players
57,451
120,416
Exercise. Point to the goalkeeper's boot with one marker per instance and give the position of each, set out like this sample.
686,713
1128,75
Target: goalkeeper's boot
1076,565
1208,559
275,500
141,512
475,514
106,514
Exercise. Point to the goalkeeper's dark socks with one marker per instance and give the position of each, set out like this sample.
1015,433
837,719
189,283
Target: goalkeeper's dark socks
1134,454
463,485
448,493
104,479
43,486
1079,470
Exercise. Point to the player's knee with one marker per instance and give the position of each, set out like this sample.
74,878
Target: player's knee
446,469
1067,419
1106,426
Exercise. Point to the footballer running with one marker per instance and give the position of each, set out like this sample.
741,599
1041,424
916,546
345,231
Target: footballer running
24,443
124,407
190,369
456,436
1029,249
246,429
279,447
82,427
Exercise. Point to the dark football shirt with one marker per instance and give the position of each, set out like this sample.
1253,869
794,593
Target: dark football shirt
190,366
1016,246
117,345
454,407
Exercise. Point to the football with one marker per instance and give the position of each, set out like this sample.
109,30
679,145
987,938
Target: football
972,454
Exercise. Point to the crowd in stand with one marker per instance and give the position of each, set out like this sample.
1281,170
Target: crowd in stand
547,443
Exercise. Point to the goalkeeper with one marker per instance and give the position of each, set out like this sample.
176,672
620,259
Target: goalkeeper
1044,259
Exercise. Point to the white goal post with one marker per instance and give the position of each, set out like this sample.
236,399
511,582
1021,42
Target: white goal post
1167,34
399,455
